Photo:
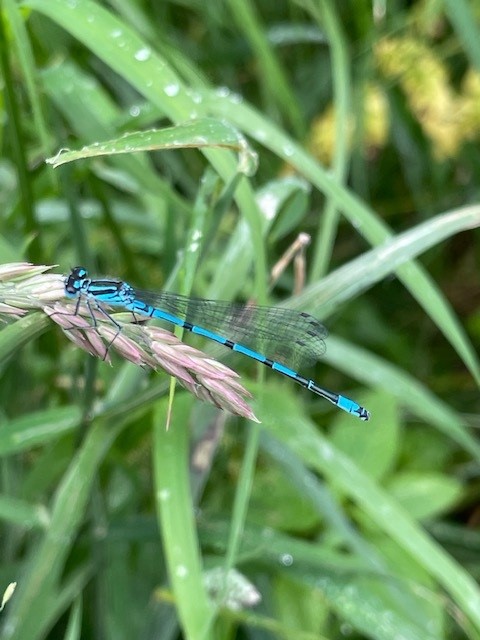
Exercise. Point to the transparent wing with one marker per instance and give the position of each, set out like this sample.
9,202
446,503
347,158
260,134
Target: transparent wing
284,335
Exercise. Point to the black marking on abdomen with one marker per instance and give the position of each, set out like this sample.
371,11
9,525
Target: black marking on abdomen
301,380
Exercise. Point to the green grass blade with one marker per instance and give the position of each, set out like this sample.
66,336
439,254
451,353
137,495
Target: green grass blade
22,513
465,24
325,15
27,61
353,278
279,93
176,517
73,631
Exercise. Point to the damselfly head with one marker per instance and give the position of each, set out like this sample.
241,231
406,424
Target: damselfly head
75,280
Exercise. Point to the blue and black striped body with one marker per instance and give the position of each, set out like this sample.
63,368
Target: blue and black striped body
299,333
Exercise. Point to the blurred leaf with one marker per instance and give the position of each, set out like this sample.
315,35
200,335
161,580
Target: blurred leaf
74,624
298,606
375,450
23,513
276,503
18,333
36,429
279,549
26,57
357,602
245,14
425,495
284,203
462,16
426,450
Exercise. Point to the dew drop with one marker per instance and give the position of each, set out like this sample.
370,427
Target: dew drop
172,90
164,495
181,571
346,629
223,92
327,451
268,204
286,559
143,54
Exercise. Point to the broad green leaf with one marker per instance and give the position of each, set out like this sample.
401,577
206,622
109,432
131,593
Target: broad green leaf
425,495
276,502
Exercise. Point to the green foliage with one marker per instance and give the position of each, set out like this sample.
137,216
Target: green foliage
204,138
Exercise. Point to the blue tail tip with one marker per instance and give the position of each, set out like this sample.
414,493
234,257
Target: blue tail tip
363,414
353,408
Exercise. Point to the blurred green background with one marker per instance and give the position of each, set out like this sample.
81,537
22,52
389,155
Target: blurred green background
356,123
